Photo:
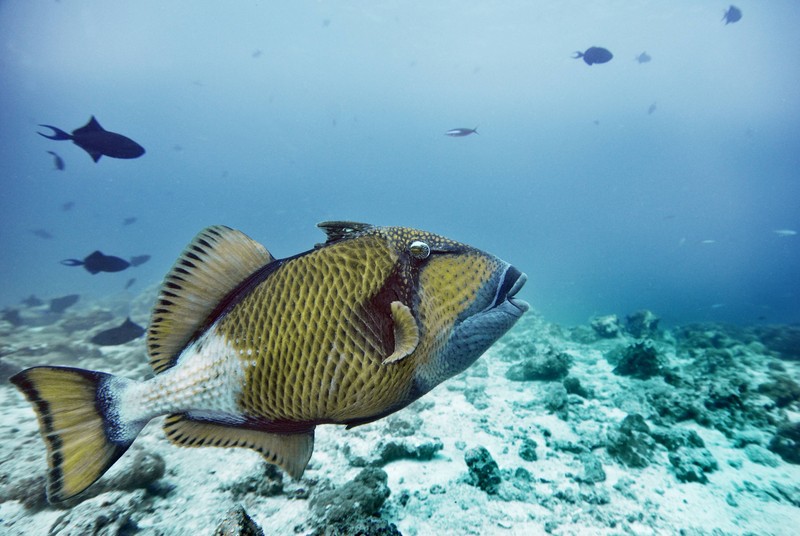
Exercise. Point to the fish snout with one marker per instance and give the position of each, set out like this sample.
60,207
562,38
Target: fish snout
513,280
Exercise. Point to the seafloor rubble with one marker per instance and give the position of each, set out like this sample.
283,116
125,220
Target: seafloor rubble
614,427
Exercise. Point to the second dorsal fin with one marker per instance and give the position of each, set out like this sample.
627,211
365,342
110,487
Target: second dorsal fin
211,267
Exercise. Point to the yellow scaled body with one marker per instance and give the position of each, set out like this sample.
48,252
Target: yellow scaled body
255,352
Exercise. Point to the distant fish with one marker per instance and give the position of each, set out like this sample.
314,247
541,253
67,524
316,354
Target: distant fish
125,332
97,141
644,57
460,132
129,220
59,305
709,241
139,259
594,55
256,54
57,161
67,206
785,232
97,262
32,301
130,283
734,14
12,317
651,109
41,233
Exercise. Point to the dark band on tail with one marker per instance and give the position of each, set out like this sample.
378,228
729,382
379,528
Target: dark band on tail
78,420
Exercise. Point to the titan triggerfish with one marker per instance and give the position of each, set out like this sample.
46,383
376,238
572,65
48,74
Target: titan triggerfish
252,351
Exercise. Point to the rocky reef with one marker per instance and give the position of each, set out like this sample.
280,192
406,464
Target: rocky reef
610,427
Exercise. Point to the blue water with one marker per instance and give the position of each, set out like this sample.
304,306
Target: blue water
272,116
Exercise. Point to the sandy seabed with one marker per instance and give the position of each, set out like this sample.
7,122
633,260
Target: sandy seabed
553,431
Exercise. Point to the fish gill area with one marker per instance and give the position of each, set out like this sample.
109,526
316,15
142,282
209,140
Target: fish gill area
617,426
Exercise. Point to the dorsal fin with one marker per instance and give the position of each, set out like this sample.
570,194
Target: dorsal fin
212,265
337,230
92,126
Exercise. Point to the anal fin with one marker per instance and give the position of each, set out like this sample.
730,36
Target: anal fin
290,452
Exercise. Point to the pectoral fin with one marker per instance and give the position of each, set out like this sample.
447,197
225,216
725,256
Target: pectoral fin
406,332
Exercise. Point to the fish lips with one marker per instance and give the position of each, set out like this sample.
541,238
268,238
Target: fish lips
505,298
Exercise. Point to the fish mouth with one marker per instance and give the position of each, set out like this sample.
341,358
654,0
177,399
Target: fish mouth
513,281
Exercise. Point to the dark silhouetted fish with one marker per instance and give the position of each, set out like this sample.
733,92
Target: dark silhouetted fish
130,283
57,161
59,305
41,233
129,221
97,262
139,259
594,55
460,132
651,109
125,332
734,14
644,57
12,317
67,206
7,370
97,141
32,301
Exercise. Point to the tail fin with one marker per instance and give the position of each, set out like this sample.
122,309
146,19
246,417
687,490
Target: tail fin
57,134
79,421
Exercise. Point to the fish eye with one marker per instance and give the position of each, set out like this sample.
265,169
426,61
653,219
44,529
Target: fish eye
419,249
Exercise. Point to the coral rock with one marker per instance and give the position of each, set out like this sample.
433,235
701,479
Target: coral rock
238,523
483,470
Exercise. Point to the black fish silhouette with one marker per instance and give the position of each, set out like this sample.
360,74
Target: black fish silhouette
130,283
594,55
125,332
734,14
57,161
129,220
41,233
68,205
644,57
12,317
459,132
97,141
59,305
139,259
32,301
97,262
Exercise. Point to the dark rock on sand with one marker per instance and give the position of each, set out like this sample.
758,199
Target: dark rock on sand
593,471
527,451
362,497
266,483
674,438
483,470
640,360
631,443
692,464
782,390
786,442
237,523
642,324
551,366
